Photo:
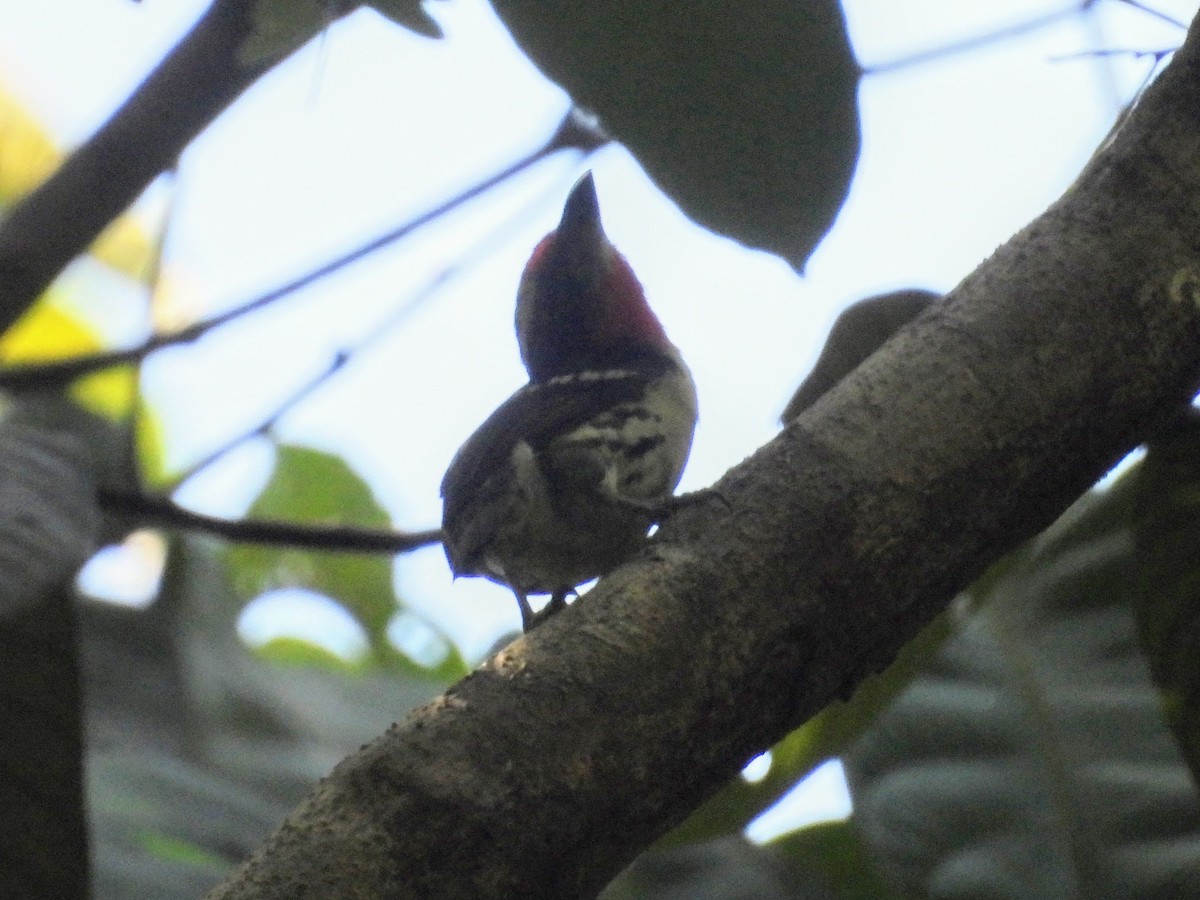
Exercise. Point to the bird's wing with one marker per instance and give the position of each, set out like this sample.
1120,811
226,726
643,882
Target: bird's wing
536,414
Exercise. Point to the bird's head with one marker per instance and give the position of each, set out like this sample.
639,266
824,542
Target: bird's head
579,305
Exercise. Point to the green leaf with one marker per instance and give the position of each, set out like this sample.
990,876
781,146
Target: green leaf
281,26
175,850
836,852
151,441
313,487
674,84
290,651
1032,760
729,868
409,14
860,330
1168,541
48,331
316,488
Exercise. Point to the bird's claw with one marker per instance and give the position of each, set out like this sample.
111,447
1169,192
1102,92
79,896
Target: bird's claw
531,620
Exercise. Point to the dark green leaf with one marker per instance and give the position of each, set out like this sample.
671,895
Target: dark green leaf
1168,613
281,26
835,851
745,113
1032,760
409,14
290,651
860,330
196,747
729,868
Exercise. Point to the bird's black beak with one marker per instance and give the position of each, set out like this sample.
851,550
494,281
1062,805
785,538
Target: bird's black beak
582,209
580,233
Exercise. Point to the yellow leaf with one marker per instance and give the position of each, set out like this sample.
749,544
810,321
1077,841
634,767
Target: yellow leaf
28,156
48,332
109,393
125,246
151,441
27,153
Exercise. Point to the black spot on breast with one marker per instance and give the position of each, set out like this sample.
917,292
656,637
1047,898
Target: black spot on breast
643,446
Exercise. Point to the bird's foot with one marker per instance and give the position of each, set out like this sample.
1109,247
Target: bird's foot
558,602
661,510
527,614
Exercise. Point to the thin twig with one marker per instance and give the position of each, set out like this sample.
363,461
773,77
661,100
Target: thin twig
572,133
264,427
370,337
974,43
342,538
1159,55
1136,4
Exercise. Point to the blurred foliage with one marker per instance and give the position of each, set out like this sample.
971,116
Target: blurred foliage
174,850
150,443
1023,719
27,152
292,651
1168,611
1030,758
280,26
821,862
729,868
48,332
317,488
835,851
28,155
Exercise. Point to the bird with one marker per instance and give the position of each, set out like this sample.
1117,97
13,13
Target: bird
562,482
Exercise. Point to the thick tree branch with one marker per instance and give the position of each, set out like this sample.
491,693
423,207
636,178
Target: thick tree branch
546,771
55,223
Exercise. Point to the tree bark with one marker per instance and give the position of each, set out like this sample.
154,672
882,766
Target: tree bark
546,771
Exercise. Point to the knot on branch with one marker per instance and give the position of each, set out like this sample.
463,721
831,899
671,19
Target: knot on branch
1184,287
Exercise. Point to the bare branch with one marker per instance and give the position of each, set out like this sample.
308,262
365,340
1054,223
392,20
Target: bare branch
342,538
974,43
573,132
1171,20
1157,55
58,220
